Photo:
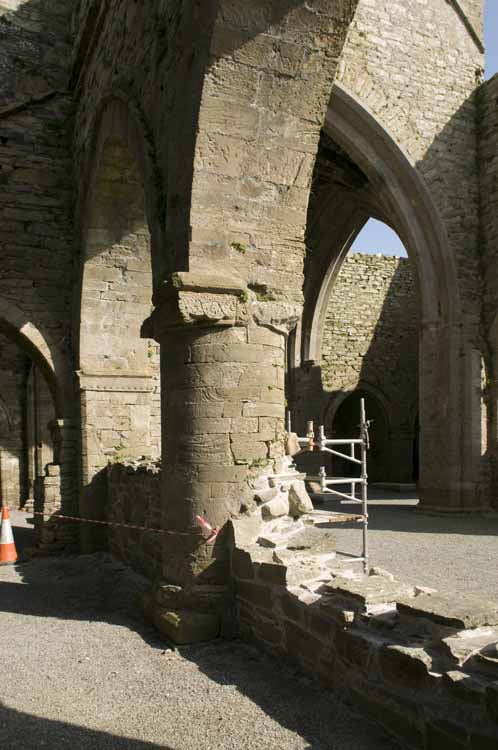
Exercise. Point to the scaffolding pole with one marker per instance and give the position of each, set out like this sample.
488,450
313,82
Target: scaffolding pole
322,444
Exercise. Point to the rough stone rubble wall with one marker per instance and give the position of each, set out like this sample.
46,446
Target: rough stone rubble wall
13,375
371,339
36,237
416,67
488,163
119,369
418,661
134,499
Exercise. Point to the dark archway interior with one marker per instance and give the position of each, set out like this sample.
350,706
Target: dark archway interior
27,424
346,423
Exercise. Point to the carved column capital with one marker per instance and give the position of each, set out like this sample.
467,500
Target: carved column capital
188,299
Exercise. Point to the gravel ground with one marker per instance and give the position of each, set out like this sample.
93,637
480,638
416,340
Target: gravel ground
456,554
81,670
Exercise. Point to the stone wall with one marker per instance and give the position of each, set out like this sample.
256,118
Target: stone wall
134,498
36,232
370,342
36,207
422,663
119,370
13,468
437,126
488,162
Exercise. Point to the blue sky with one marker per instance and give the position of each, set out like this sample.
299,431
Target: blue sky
491,37
377,237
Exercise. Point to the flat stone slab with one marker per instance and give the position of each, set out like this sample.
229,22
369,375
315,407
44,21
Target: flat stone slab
288,557
246,530
461,612
487,659
370,590
468,643
328,516
314,541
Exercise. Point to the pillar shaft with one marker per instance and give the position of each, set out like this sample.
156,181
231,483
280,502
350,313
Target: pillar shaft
223,408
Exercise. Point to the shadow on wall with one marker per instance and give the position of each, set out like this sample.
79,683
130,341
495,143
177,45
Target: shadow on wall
37,732
370,350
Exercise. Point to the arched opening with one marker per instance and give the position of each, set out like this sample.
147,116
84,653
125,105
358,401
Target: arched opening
118,369
345,423
361,174
370,335
29,469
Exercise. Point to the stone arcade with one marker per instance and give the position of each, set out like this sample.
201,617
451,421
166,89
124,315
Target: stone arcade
180,185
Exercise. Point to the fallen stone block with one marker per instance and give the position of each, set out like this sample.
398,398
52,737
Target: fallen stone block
289,557
466,644
382,573
277,507
487,660
266,495
292,446
464,687
284,465
314,541
167,595
406,664
284,525
266,540
461,612
260,483
246,530
185,626
370,591
299,500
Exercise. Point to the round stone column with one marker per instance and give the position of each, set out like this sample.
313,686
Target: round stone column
223,407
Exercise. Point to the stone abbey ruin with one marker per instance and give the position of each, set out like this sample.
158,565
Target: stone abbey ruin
180,185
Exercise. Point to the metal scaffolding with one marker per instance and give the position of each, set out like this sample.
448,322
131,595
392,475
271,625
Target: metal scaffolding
323,444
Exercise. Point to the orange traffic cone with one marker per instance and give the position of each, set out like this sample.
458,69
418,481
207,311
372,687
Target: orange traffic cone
8,554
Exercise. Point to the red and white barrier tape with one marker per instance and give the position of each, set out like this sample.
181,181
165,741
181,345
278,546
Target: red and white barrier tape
205,525
201,521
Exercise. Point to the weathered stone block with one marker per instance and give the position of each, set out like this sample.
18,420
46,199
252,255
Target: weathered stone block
185,626
242,566
255,593
463,613
464,687
468,643
301,644
279,506
492,701
292,447
354,647
273,573
247,449
405,665
443,735
299,500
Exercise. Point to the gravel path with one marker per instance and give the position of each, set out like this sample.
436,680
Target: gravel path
79,671
443,552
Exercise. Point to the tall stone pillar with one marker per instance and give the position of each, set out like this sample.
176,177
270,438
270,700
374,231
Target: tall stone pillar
451,441
223,405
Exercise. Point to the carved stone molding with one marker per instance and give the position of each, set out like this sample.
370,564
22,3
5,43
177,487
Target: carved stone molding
126,382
